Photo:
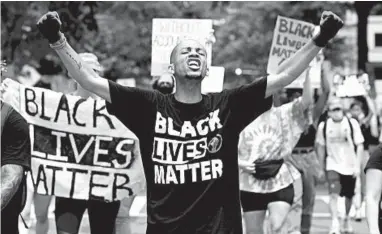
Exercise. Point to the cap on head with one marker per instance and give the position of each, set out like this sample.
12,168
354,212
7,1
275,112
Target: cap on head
92,61
335,103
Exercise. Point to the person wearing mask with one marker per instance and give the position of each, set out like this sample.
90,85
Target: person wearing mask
266,181
373,172
189,140
340,149
164,84
304,158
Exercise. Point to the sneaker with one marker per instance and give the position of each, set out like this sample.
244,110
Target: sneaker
335,229
358,215
347,227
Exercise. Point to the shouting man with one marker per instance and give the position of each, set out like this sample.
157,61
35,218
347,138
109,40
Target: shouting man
189,140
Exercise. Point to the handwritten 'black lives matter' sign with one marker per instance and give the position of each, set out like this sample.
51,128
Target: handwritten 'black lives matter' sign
78,150
289,36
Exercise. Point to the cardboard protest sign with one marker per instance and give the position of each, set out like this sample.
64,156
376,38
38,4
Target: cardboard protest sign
167,33
213,83
78,150
351,85
289,36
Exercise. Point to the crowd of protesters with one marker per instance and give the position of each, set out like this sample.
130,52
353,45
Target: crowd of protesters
283,139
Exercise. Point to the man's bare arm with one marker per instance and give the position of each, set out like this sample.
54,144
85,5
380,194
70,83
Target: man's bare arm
11,177
293,67
82,73
49,26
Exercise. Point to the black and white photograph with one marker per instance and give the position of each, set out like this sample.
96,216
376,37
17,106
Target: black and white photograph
191,117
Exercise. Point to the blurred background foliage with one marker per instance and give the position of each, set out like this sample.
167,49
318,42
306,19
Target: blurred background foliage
119,33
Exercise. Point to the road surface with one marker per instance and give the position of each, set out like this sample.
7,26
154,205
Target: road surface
321,221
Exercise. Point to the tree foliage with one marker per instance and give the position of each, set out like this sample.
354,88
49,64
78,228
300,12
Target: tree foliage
119,33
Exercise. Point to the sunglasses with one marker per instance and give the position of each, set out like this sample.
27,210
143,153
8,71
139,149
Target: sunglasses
335,109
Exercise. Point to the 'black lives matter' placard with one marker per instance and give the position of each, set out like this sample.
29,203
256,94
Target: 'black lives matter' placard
289,36
78,150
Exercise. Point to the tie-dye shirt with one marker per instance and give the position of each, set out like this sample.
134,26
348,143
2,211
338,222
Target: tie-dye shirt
272,136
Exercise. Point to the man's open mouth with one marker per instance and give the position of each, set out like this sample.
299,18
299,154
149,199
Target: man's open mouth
194,64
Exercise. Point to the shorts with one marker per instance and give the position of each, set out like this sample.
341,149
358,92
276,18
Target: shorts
259,201
102,215
344,185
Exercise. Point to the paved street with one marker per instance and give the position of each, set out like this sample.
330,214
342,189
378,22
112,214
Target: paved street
321,222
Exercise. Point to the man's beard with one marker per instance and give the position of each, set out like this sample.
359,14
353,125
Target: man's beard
165,89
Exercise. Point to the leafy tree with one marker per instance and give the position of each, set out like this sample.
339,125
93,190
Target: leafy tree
119,33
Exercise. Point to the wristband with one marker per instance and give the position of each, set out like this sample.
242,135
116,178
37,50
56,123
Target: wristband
320,39
59,44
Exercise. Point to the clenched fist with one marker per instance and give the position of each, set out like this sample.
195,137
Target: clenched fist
49,26
330,24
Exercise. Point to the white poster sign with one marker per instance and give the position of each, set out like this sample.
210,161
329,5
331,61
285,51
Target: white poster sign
167,33
289,36
213,83
78,150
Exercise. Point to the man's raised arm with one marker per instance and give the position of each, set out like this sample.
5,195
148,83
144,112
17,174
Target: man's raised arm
49,26
293,67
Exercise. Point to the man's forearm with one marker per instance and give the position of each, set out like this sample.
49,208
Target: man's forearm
11,177
292,68
79,70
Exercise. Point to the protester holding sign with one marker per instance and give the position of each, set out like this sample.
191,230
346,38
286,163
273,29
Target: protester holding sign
49,71
69,211
189,140
266,181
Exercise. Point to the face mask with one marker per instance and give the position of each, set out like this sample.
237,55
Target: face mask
165,89
337,116
361,116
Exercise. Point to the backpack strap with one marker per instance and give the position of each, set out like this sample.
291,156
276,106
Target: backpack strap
324,134
351,132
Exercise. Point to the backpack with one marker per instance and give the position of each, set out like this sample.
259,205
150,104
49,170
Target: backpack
6,110
351,134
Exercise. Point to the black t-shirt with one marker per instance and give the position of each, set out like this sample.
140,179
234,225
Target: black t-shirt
189,154
15,149
375,162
